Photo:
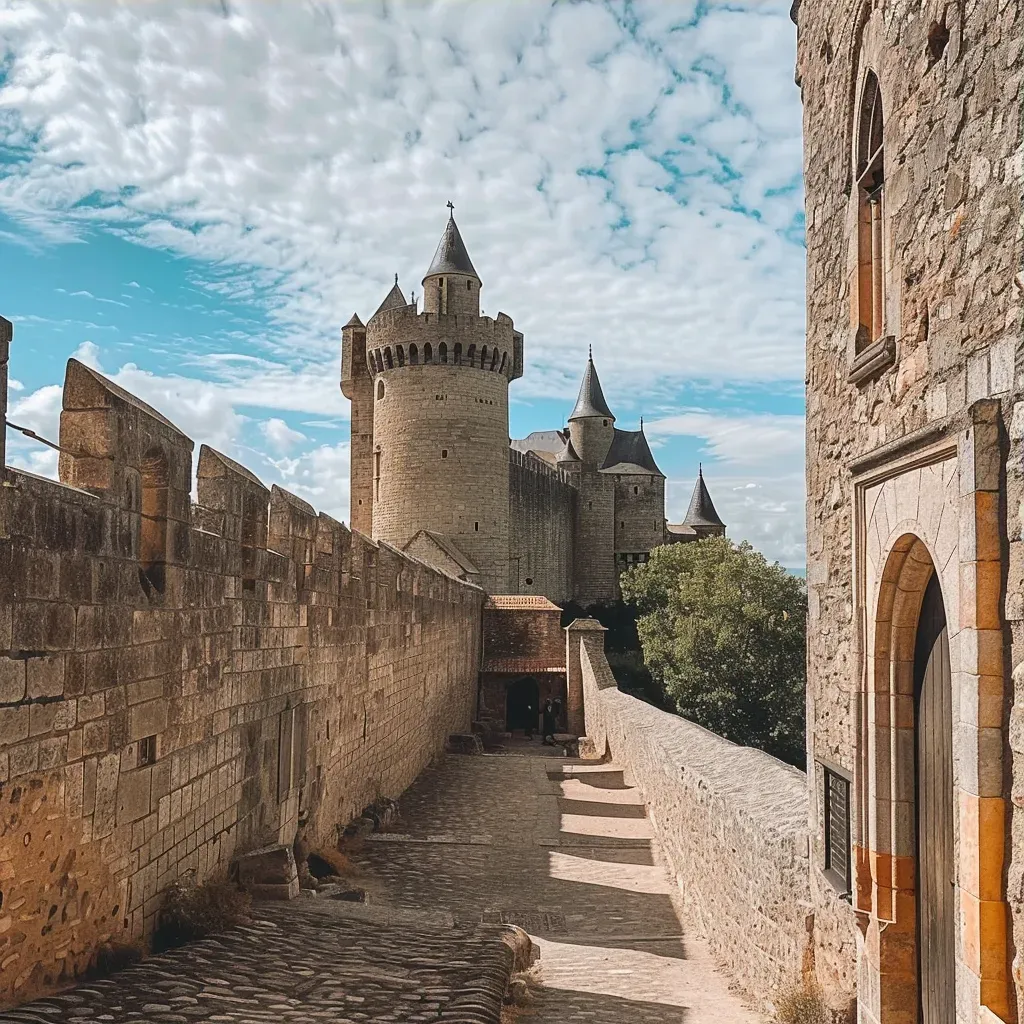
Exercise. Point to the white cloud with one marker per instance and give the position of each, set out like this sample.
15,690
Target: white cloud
15,385
280,436
309,169
320,476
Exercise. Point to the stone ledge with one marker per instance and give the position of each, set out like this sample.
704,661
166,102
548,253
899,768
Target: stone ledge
873,360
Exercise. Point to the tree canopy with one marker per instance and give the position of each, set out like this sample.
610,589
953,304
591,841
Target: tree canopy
723,630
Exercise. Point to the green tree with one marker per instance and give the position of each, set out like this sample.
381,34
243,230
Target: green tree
724,633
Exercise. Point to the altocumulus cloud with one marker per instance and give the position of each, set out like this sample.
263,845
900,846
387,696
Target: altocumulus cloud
626,174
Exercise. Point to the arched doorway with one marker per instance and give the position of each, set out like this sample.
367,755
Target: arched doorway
933,803
522,700
910,807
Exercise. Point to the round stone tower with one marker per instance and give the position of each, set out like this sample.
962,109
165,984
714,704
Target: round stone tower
591,423
440,419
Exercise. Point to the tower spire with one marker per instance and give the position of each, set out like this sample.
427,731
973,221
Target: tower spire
591,401
451,256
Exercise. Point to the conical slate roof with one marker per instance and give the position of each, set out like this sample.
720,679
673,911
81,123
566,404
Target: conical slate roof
451,256
354,321
568,453
393,300
630,453
591,400
702,509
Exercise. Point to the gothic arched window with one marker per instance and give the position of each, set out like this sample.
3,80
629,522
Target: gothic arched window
870,176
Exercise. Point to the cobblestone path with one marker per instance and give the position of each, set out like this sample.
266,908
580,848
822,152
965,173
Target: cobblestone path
561,848
309,960
565,850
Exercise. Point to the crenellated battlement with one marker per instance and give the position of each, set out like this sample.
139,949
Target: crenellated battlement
400,337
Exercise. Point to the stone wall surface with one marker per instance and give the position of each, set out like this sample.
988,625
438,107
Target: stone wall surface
180,682
950,80
732,822
541,520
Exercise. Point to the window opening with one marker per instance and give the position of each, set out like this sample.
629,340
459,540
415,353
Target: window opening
414,355
442,351
476,527
147,751
376,474
428,353
444,453
837,830
380,390
529,581
870,174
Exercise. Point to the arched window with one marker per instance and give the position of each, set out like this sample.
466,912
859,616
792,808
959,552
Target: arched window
414,355
380,390
442,352
471,355
494,360
504,359
400,352
483,358
153,531
870,175
469,285
388,361
457,356
428,353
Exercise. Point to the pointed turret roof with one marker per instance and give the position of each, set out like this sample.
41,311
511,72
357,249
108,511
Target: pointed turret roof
393,300
702,509
568,453
354,321
451,256
591,400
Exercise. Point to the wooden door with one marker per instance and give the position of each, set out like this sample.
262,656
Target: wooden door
936,908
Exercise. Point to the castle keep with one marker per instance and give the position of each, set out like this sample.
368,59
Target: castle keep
560,513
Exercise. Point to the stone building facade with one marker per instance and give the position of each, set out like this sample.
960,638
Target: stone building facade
560,513
183,681
913,177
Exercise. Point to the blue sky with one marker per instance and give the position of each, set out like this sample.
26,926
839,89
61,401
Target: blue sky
194,198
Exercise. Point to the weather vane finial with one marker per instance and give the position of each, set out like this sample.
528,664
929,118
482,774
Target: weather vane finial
451,206
590,351
396,279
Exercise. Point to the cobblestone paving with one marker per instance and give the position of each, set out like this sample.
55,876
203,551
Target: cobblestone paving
558,847
564,850
304,961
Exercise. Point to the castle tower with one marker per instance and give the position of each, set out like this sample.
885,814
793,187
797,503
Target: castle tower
439,465
592,430
357,386
591,422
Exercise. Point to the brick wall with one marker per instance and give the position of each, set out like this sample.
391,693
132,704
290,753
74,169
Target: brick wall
731,821
541,518
171,696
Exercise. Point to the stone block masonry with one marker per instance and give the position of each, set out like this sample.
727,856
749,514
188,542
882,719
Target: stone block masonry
731,821
182,681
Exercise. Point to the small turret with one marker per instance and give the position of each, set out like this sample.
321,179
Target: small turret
701,516
451,284
567,459
394,299
591,423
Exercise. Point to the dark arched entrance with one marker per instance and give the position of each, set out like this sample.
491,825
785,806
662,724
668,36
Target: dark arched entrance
936,907
522,700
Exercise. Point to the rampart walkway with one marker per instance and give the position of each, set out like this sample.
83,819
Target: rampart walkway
562,848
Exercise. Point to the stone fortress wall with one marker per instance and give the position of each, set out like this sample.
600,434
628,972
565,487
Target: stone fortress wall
541,519
732,822
180,682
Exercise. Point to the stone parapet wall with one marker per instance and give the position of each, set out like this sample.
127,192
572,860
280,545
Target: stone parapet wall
180,682
732,822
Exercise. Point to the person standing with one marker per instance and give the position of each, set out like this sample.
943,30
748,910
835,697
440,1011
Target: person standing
550,724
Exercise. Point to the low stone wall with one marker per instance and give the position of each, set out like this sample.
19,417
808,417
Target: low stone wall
732,822
183,681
